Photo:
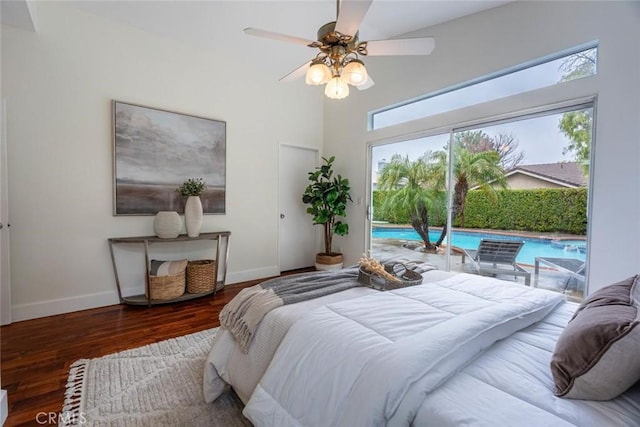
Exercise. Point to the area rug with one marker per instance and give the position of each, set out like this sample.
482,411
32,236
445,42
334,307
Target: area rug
156,385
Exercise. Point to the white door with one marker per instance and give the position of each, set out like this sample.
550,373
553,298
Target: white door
5,289
297,234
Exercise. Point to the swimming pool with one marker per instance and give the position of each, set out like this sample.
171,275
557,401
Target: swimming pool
532,248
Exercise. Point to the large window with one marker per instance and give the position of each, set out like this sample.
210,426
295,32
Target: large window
522,177
543,72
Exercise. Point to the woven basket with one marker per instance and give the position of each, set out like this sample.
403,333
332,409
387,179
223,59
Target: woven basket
201,276
166,287
407,277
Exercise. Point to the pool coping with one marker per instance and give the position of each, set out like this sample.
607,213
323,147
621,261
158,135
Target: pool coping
516,233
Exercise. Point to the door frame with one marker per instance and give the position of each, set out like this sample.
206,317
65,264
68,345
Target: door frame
5,277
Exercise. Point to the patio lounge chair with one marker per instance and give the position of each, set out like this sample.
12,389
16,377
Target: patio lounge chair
497,257
575,268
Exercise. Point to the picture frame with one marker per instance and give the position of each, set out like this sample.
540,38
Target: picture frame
155,151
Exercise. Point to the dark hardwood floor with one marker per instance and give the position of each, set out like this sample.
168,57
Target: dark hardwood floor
36,354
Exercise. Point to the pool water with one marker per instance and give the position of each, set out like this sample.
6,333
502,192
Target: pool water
531,249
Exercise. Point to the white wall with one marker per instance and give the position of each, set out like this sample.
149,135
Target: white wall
59,83
496,39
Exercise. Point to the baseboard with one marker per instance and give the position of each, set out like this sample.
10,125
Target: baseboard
82,302
63,305
4,406
256,273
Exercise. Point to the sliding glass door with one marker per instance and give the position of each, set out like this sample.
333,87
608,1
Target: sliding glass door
525,178
409,199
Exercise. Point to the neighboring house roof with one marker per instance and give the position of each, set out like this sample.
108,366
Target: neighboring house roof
568,174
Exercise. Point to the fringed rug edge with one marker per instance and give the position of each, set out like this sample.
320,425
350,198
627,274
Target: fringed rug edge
74,394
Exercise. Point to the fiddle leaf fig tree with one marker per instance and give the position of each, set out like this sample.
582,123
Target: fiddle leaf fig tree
327,196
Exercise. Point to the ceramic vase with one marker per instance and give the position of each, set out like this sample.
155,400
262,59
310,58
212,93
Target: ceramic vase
167,224
193,216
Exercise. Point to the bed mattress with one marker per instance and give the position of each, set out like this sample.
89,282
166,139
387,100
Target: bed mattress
228,364
508,384
511,385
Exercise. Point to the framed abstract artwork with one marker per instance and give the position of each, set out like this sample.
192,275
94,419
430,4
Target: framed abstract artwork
154,151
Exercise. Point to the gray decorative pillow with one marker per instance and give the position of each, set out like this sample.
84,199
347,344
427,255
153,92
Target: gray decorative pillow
597,356
167,268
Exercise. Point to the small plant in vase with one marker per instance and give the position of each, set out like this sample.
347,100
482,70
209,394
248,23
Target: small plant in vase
192,188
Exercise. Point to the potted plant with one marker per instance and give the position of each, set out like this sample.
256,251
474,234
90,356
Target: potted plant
192,188
327,196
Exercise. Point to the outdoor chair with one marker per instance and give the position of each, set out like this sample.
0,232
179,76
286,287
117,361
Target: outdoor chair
574,268
495,257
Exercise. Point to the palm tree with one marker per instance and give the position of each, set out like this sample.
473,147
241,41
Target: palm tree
470,169
406,183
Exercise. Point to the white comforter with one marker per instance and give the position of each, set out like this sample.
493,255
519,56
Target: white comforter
228,364
511,385
371,360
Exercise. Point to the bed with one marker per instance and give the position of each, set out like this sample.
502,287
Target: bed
457,350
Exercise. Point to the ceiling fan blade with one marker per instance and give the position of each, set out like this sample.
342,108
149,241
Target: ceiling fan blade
417,46
276,36
367,84
351,15
296,74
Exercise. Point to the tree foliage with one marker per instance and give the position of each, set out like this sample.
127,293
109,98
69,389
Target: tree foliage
577,125
579,65
408,188
506,145
419,187
470,169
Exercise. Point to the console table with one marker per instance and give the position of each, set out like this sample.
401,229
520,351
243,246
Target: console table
221,262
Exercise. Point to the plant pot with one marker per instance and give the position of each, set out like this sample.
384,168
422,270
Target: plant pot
326,262
193,216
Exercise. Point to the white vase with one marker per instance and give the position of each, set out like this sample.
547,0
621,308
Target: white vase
167,224
193,216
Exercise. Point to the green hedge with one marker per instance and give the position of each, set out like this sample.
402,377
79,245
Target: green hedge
397,215
543,210
393,215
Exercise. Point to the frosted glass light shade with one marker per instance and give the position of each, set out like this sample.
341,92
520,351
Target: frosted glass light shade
355,73
336,88
318,74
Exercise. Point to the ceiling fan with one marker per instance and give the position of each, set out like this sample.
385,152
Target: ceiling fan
338,63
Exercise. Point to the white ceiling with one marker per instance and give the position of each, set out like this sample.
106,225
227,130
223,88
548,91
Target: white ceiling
194,21
217,25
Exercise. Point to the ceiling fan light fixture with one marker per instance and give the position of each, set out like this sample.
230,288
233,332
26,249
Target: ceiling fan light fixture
337,64
336,88
318,74
355,73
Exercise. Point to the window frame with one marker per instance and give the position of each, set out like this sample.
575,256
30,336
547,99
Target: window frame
492,76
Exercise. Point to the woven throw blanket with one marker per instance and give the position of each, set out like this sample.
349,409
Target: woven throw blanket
245,311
